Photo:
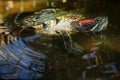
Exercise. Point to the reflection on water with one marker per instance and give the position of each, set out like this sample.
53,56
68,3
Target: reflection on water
16,58
36,56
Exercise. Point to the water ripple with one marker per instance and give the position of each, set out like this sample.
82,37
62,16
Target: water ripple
17,60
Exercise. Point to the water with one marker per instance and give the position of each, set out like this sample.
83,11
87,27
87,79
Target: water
46,57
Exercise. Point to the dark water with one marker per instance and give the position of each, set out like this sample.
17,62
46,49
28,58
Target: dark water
46,58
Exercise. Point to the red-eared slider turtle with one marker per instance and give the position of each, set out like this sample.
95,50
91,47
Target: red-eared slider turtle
52,21
61,22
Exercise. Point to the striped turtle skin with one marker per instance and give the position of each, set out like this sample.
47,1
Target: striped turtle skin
93,25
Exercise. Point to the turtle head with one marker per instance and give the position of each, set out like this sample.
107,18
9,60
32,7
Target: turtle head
95,25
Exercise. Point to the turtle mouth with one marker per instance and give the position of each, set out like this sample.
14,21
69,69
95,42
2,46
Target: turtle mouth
95,25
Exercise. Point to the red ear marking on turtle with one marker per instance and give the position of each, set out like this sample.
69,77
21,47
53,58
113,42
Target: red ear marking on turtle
86,21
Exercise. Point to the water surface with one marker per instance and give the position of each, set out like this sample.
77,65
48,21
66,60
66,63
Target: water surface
99,60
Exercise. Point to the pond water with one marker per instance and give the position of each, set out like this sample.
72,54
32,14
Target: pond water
46,57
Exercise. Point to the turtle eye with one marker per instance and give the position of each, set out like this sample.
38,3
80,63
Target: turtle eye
44,25
99,19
